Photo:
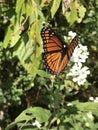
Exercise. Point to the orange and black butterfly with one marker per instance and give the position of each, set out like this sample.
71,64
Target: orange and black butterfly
56,53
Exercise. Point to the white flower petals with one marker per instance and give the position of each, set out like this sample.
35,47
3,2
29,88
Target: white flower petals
80,54
79,72
93,99
96,99
71,34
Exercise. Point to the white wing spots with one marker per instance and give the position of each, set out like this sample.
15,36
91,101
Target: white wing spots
48,29
64,46
51,34
44,38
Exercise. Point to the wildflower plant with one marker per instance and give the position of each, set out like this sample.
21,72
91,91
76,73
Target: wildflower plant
79,70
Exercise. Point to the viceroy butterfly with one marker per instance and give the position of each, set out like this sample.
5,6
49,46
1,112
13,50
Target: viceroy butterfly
56,54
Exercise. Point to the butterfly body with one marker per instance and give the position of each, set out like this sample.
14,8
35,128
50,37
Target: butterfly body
56,53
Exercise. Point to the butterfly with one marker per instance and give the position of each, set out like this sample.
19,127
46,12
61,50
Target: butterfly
56,54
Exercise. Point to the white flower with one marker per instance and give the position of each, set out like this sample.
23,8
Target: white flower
96,99
83,47
69,104
84,71
80,54
80,80
1,115
78,71
36,123
91,98
71,34
65,38
74,70
90,116
81,75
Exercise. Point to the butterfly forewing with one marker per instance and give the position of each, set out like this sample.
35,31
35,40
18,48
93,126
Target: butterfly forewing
51,43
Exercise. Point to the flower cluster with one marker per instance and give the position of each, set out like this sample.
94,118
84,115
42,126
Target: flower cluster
78,71
93,99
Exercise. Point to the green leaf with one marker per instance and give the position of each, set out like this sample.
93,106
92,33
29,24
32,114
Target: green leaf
29,10
42,73
55,6
33,65
81,12
19,4
75,14
72,15
23,50
88,106
26,43
41,114
7,38
38,113
12,34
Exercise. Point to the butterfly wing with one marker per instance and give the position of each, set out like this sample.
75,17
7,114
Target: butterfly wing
56,54
50,41
68,54
52,50
72,46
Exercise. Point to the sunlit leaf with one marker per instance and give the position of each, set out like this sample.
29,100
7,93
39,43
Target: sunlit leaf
45,2
29,10
19,4
23,49
55,6
7,38
38,113
81,12
43,73
72,15
88,106
75,14
12,34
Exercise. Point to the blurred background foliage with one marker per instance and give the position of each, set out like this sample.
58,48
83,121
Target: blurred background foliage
23,81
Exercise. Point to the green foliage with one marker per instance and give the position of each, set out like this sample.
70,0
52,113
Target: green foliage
28,116
74,14
23,81
55,6
80,117
23,34
12,77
